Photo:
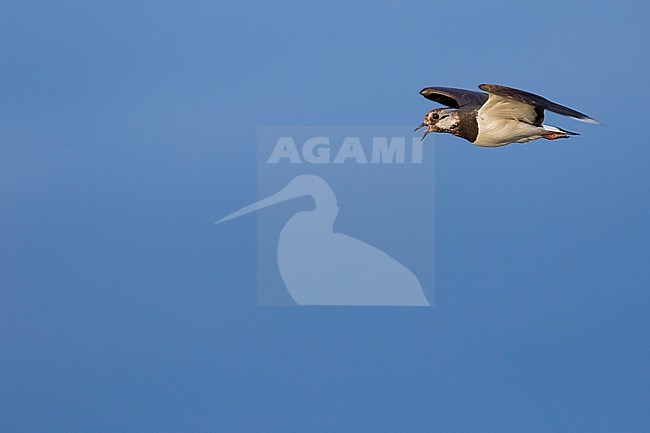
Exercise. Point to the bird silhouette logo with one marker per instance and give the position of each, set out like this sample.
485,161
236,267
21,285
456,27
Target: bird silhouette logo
322,267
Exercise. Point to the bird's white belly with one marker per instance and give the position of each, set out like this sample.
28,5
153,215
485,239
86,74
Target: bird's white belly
499,132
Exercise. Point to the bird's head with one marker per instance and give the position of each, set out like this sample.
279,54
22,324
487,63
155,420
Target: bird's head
439,120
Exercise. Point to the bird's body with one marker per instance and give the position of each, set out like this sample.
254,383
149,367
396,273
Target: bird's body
501,116
497,131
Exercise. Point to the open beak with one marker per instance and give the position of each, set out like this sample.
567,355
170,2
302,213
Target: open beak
425,134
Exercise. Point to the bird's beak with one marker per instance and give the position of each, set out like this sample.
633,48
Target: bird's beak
422,125
426,133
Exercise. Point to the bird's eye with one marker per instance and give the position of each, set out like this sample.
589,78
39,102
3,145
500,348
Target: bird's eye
434,116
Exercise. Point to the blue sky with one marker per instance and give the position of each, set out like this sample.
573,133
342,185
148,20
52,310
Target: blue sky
128,129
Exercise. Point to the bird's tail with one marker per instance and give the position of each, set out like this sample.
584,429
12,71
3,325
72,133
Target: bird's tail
553,132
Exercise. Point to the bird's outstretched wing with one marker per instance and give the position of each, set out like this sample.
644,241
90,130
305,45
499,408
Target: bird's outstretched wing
454,98
530,107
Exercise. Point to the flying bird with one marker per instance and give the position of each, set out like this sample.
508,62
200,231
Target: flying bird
501,116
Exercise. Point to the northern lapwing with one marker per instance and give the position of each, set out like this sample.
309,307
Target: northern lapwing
501,116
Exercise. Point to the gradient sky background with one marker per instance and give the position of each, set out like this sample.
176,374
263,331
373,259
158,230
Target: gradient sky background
128,129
